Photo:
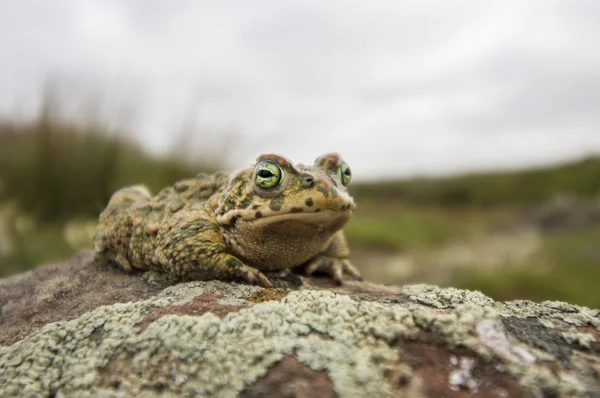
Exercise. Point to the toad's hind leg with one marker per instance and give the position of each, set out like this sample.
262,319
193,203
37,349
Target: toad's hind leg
189,245
115,225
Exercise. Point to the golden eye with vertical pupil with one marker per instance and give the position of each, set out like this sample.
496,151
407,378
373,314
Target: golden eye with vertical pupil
267,174
346,173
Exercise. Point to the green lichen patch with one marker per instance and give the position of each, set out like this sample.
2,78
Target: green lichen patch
201,304
437,297
551,311
359,290
586,338
230,292
546,312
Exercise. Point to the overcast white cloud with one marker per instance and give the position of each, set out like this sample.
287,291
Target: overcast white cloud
396,87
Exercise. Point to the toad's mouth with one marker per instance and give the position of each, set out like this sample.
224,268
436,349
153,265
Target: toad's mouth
313,217
324,216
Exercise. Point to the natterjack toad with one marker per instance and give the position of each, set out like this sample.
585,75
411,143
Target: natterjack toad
271,216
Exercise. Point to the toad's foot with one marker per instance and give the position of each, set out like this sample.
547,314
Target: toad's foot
227,267
333,266
254,276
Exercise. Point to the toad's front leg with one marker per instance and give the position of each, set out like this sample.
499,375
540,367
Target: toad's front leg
189,245
334,261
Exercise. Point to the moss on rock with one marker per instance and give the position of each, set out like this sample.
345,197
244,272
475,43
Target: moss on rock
222,339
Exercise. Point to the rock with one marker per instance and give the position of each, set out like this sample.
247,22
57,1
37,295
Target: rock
83,328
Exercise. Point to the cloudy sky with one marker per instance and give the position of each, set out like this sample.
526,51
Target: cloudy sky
397,87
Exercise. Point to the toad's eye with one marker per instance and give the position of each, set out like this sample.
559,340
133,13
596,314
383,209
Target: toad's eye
267,174
346,173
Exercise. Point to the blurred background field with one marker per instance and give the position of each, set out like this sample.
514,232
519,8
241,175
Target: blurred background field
527,234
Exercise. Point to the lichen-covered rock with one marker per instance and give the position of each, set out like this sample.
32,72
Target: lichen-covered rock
87,329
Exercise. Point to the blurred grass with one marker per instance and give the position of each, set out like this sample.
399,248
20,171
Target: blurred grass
55,171
388,225
567,268
580,178
425,218
57,174
42,246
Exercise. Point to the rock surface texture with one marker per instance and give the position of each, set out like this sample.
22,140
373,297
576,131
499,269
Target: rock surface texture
88,329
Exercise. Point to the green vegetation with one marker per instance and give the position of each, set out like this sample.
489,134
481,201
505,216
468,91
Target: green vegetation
526,187
567,268
56,170
43,245
391,226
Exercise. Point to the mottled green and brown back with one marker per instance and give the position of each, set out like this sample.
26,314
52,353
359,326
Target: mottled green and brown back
132,216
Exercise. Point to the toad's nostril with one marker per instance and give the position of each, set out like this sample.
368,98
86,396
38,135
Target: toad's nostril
307,180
